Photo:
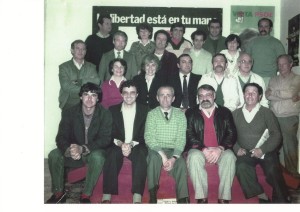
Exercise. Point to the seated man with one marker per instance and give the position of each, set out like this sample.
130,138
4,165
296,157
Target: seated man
165,136
129,120
258,141
83,134
211,135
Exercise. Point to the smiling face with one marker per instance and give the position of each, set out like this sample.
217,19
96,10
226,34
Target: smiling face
79,51
245,63
251,96
118,69
206,98
89,99
214,30
219,64
177,33
129,95
264,28
232,45
150,68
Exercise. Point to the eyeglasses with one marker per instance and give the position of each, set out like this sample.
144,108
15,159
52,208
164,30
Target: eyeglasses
246,62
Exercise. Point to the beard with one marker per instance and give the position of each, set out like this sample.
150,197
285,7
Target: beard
206,104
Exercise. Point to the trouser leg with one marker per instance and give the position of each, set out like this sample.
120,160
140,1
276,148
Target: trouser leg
154,162
95,161
198,173
179,173
56,168
226,169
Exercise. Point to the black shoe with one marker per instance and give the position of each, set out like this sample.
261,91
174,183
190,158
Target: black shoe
223,201
152,194
264,201
85,200
184,200
202,201
56,200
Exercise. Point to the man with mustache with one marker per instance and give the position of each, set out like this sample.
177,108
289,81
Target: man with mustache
264,50
211,134
224,84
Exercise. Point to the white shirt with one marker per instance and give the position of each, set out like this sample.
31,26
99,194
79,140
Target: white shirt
249,115
77,64
116,53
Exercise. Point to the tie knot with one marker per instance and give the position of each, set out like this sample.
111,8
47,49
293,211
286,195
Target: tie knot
166,115
119,54
184,76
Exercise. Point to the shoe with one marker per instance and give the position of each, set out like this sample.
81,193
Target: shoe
106,201
202,201
57,198
264,201
183,200
223,201
152,194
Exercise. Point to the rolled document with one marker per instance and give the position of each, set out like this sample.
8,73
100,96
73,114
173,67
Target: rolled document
262,140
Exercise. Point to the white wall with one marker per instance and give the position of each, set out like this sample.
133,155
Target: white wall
67,20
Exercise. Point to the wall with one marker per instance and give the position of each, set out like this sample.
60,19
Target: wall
67,20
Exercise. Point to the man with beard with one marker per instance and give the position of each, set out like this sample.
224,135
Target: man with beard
264,50
211,134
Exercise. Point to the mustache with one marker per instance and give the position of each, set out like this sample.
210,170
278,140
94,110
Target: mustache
205,101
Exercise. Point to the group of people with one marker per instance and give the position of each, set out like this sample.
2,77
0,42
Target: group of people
177,106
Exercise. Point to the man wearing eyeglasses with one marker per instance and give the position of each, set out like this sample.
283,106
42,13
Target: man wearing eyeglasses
83,134
245,75
211,134
129,119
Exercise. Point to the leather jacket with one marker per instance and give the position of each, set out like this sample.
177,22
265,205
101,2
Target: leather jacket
224,126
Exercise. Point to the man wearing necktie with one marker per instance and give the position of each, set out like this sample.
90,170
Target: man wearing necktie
165,137
185,83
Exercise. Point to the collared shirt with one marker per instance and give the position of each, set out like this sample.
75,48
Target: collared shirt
244,78
182,78
77,64
116,53
168,111
149,81
145,43
205,112
101,35
128,118
113,79
249,115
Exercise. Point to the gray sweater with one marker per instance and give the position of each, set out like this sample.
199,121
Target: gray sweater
248,134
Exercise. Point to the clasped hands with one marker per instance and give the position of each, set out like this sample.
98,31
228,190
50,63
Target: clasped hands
212,154
75,151
256,152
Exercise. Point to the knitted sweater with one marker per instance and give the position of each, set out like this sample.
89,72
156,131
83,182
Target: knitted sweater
208,45
248,134
264,51
139,51
161,133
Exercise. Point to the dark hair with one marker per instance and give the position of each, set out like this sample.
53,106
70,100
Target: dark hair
112,62
161,31
213,21
218,54
265,19
93,88
259,88
101,18
184,55
77,42
120,33
148,59
233,37
127,84
206,87
177,24
144,26
198,32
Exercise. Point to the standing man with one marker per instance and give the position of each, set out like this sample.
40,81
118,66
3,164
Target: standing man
178,43
211,135
129,120
101,42
73,74
165,136
258,141
265,49
284,95
120,41
168,60
201,58
215,41
185,84
245,75
83,134
225,85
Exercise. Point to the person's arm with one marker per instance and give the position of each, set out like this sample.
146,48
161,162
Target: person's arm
68,80
192,138
230,134
231,93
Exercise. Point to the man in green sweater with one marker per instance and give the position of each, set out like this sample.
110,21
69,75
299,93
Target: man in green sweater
264,50
165,136
258,141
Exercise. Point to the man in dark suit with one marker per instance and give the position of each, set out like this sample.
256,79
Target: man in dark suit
120,42
83,134
185,97
128,141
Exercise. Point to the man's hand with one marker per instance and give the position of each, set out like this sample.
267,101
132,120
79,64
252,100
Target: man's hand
296,98
241,152
169,164
256,152
212,154
126,149
268,92
75,151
